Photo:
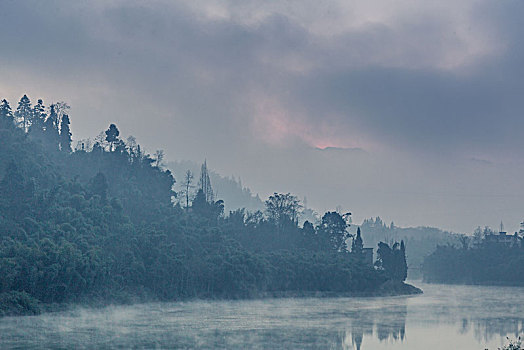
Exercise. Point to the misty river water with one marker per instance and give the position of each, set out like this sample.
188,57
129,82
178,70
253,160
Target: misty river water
444,317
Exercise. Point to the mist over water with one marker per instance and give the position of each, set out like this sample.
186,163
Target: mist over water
446,317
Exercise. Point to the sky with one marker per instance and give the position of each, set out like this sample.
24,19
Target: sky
409,110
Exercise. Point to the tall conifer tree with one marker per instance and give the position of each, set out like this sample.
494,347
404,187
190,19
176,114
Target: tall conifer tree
6,114
24,113
65,134
51,127
38,116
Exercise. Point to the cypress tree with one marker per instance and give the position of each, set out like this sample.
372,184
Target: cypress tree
65,134
51,127
357,246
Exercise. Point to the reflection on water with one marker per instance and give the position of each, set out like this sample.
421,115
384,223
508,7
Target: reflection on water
445,317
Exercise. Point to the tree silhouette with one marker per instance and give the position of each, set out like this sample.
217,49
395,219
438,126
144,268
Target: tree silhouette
51,127
187,186
65,134
283,209
38,117
335,227
357,246
392,260
6,114
112,134
205,184
24,113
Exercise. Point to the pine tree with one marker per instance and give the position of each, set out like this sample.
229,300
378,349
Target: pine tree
65,134
6,114
38,116
24,113
51,127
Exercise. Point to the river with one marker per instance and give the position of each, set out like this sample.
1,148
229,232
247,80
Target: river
444,317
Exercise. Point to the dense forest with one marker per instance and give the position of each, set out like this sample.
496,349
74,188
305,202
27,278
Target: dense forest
485,257
104,223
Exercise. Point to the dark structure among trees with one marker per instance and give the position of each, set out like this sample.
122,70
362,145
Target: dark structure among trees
485,258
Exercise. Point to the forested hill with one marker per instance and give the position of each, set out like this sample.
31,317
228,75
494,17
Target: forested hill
99,224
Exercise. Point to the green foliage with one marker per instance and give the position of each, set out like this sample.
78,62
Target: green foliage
100,224
6,115
112,136
24,113
17,304
65,134
334,227
357,246
392,260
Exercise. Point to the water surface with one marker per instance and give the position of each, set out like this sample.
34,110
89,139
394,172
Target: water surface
444,317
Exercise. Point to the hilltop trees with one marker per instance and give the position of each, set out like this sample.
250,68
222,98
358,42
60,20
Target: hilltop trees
335,227
112,136
38,117
65,134
24,113
51,133
283,209
6,114
187,186
100,223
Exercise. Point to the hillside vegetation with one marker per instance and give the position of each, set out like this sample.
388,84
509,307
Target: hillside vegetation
99,225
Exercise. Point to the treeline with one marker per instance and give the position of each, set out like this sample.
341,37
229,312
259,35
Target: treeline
420,241
103,223
493,260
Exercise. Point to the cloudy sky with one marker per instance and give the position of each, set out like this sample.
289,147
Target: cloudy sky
411,110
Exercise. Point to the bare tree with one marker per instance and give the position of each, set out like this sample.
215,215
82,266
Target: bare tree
159,157
187,186
61,109
205,184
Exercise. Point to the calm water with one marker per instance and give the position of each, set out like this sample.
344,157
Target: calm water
445,317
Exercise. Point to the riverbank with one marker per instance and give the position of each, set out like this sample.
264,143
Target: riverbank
22,304
388,289
484,284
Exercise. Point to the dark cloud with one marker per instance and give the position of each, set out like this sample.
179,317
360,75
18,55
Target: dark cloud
423,89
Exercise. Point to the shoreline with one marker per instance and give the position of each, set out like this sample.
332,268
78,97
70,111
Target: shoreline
21,307
483,284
